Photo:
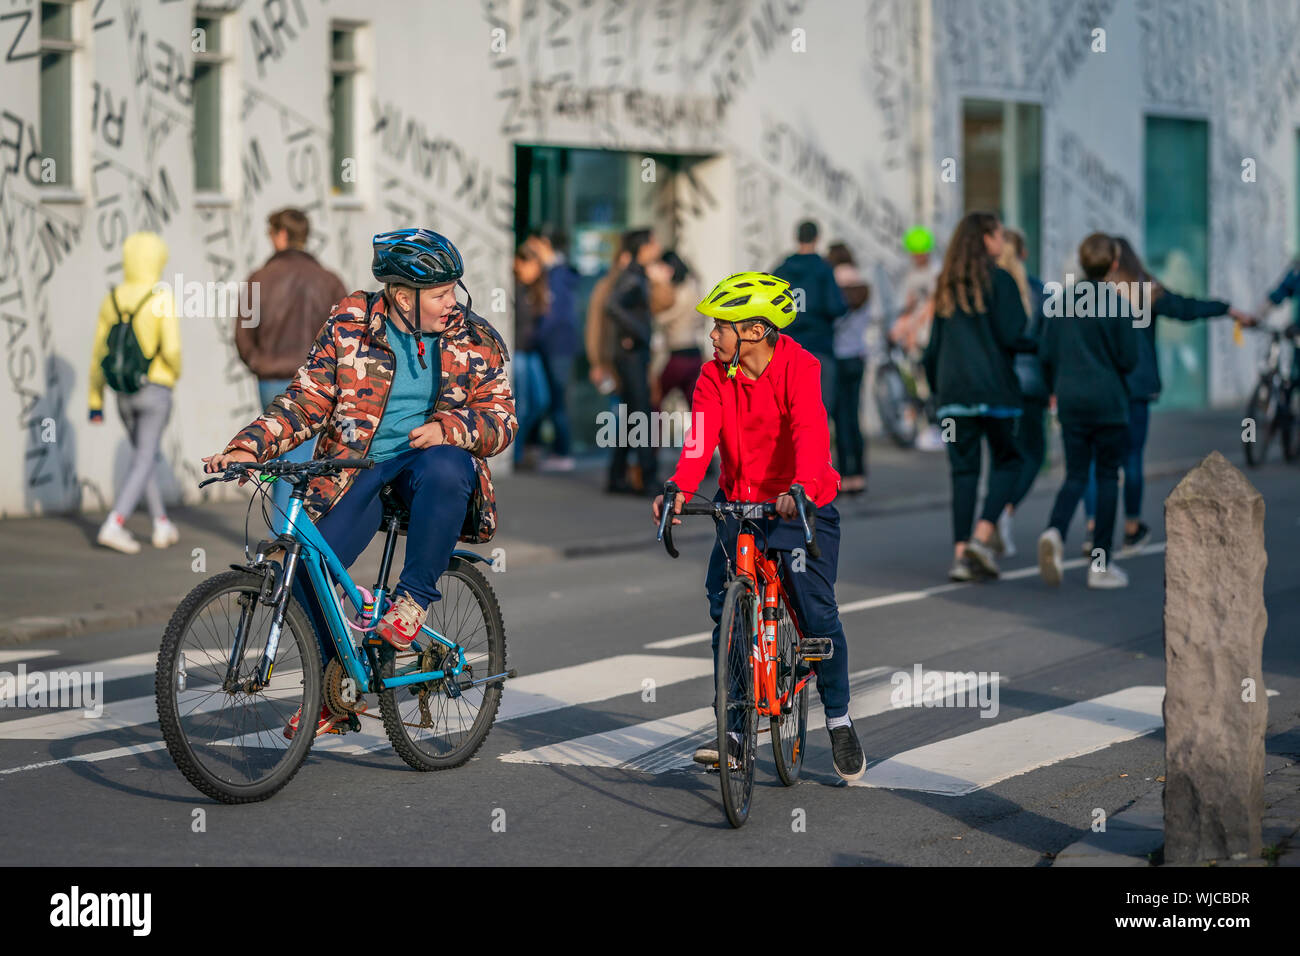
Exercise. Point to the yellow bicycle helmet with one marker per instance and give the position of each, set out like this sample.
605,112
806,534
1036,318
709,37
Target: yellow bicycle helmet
750,295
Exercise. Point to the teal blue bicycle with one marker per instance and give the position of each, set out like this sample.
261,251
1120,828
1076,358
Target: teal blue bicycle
240,664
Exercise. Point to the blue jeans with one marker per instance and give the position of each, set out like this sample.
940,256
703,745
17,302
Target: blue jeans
528,378
267,389
557,369
811,592
436,484
1139,417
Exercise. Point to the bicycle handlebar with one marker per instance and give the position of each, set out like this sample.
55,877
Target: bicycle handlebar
745,510
282,468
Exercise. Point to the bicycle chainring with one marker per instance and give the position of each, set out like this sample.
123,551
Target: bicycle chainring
333,688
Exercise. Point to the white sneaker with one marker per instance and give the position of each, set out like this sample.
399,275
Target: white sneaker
165,534
1007,532
113,535
1050,549
558,463
1112,577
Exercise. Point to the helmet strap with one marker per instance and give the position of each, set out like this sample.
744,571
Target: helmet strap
469,299
413,329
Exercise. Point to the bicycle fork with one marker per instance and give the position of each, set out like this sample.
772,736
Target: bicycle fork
279,598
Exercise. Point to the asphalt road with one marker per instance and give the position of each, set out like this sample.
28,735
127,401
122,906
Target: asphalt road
1015,795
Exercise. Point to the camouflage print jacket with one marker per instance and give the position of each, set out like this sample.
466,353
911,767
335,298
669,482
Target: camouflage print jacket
343,388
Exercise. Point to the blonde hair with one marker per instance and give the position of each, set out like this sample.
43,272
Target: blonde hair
1010,261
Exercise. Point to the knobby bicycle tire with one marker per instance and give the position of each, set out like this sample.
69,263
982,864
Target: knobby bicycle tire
166,678
390,701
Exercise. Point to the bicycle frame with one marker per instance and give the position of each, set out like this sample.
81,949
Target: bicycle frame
303,544
764,574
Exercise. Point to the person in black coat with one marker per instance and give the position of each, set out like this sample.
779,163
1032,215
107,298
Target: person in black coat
978,327
628,308
1143,381
1086,354
823,303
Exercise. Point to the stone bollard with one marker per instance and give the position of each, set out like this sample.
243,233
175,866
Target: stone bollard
1215,708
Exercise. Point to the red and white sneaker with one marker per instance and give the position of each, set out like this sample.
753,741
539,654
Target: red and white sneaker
401,622
325,725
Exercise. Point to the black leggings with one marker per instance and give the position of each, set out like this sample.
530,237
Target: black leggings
964,458
1031,436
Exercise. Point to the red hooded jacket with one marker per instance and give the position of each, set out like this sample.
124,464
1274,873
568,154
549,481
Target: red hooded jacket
772,430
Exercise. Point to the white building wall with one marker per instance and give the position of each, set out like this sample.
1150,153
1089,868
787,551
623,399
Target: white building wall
831,132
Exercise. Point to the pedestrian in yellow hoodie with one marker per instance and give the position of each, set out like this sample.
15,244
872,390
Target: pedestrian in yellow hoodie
144,402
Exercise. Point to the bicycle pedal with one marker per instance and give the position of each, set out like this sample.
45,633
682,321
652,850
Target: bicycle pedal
816,649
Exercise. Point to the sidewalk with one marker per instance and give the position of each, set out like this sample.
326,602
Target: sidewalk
58,582
1136,837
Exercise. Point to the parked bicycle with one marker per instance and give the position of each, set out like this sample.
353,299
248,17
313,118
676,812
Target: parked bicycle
1274,405
898,397
241,655
761,668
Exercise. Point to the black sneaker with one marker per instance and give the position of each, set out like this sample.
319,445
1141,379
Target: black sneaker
846,754
1133,542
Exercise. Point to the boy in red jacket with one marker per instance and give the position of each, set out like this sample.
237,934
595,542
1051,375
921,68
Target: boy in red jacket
759,401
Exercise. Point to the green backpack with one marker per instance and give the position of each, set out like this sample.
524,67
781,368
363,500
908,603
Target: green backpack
126,368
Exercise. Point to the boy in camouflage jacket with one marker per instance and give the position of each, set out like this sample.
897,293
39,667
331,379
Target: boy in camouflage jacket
429,427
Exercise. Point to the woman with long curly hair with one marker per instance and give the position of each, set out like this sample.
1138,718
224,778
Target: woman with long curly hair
978,327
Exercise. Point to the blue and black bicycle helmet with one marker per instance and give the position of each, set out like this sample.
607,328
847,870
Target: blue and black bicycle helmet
419,258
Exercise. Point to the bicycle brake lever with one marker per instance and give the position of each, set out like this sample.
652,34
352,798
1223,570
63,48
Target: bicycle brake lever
667,506
808,519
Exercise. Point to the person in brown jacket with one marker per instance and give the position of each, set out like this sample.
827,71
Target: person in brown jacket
296,294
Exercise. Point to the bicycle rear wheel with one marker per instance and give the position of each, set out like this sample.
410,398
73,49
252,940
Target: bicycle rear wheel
228,743
736,711
790,730
1263,411
438,725
1291,424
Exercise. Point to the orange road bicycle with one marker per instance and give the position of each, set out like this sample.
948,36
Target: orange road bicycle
762,664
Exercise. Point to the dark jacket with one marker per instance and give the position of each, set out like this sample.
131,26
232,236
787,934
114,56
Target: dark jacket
968,360
628,308
1029,367
1144,381
527,320
1085,360
296,294
823,303
557,331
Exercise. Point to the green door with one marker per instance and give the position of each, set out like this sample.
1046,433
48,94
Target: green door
1176,246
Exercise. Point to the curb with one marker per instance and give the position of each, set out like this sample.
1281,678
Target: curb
23,630
1130,835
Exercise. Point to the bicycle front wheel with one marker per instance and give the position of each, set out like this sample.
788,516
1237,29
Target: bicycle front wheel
790,730
440,724
736,710
228,742
897,411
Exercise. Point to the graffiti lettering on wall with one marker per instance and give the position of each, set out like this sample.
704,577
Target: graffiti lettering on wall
587,64
443,164
271,30
874,214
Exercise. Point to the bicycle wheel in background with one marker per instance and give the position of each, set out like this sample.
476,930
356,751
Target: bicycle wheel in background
790,730
897,411
734,703
1262,410
436,725
228,743
1291,425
